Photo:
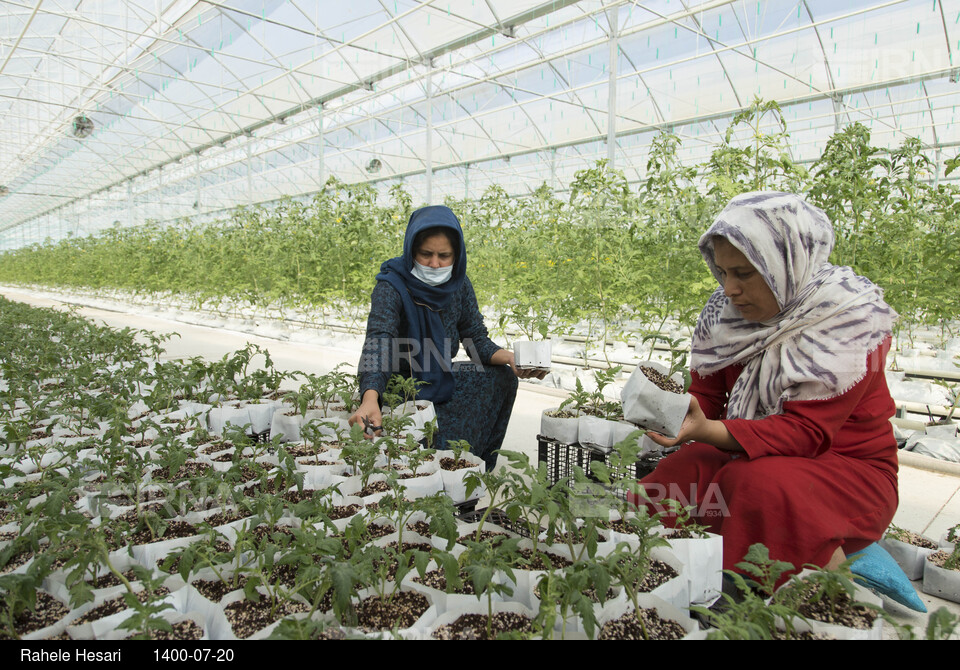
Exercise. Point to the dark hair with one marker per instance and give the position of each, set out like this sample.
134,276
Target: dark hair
449,233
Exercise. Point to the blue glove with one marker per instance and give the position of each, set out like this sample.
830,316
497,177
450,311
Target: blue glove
877,570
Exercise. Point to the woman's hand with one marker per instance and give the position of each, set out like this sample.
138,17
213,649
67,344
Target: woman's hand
369,414
697,427
506,357
693,424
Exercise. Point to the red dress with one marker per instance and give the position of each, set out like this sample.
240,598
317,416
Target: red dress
820,475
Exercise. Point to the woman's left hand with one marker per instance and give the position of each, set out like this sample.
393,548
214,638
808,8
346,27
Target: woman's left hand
506,357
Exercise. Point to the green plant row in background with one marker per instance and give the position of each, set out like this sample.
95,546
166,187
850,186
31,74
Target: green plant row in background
606,253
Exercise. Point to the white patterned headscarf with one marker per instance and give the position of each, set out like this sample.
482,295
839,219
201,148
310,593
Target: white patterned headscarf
816,347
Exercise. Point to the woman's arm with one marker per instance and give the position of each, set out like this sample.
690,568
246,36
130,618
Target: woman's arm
711,391
697,427
809,428
806,428
473,332
472,329
376,360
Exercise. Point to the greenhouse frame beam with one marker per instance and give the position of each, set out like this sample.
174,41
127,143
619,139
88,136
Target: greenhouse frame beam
495,78
572,92
720,116
711,42
320,149
712,5
104,63
826,60
613,20
16,45
427,57
466,40
414,172
727,114
673,18
273,58
662,20
270,201
428,157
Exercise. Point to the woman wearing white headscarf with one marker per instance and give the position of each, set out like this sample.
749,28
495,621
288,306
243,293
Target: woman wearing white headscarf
789,422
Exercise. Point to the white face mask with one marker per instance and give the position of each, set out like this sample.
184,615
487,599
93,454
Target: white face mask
431,276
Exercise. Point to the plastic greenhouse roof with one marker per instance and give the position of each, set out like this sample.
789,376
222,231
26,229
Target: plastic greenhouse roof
197,106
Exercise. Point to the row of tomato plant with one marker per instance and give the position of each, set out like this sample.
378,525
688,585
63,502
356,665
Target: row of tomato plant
103,452
624,253
97,459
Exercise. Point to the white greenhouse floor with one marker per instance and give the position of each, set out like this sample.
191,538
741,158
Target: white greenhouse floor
929,489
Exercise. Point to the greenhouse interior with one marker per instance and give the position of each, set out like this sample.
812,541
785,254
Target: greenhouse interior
476,319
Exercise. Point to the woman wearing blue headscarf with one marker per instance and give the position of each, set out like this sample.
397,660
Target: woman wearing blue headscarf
423,307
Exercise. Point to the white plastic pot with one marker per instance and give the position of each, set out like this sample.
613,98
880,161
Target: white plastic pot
702,559
453,484
665,610
421,411
428,482
940,582
220,419
477,607
261,414
287,428
675,591
564,430
530,355
601,434
442,601
909,557
649,406
861,594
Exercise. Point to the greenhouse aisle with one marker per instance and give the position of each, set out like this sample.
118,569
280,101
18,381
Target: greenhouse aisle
929,489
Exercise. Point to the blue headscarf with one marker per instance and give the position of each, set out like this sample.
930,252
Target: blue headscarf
422,303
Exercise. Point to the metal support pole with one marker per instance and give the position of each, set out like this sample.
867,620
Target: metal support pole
250,171
129,203
837,112
429,148
196,181
466,181
613,16
939,161
320,175
160,211
553,170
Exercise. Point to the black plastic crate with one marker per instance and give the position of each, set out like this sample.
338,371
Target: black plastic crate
561,459
466,507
